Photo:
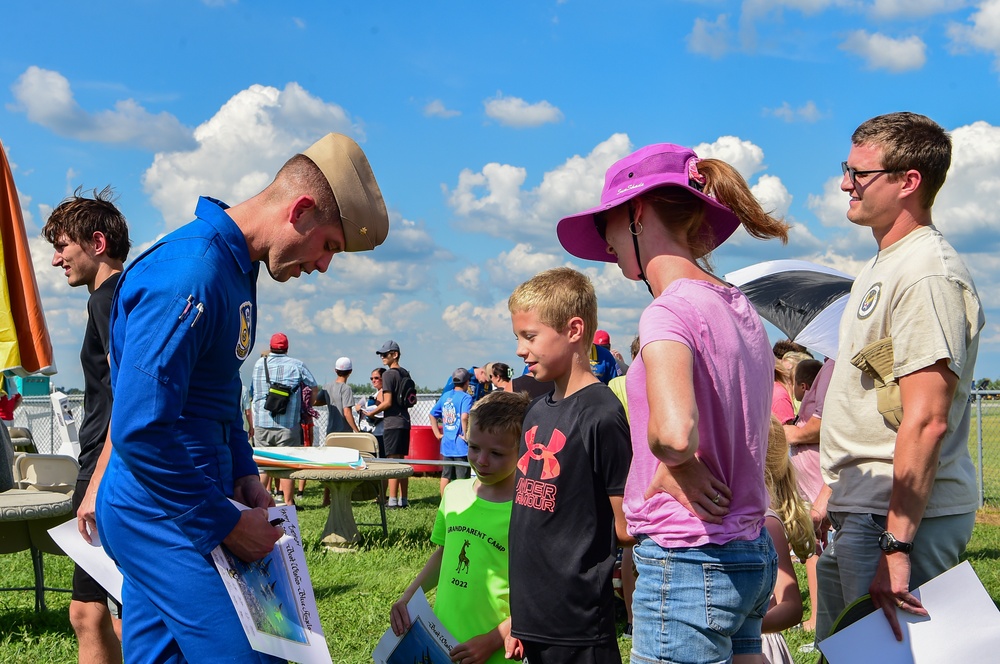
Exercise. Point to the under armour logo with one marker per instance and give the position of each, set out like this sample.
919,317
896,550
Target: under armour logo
544,453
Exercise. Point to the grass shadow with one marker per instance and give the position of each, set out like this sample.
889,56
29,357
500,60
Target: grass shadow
25,622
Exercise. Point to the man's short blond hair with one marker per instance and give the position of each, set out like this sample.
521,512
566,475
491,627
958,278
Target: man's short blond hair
500,413
556,296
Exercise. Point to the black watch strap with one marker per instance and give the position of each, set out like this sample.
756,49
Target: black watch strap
889,544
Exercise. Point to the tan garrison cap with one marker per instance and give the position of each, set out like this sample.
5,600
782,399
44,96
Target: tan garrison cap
366,222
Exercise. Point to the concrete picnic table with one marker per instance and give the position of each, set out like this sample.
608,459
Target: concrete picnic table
341,530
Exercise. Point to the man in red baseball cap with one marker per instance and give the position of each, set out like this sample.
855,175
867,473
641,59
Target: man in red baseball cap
279,372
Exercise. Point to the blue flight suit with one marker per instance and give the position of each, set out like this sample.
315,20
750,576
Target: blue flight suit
182,323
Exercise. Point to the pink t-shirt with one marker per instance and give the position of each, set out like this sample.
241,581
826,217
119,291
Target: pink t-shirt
733,369
781,404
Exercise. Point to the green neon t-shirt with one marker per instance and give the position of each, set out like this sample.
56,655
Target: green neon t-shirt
473,594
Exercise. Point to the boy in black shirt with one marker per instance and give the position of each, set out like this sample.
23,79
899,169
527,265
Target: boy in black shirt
90,239
570,478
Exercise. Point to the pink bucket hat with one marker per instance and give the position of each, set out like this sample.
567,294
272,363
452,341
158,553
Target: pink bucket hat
658,165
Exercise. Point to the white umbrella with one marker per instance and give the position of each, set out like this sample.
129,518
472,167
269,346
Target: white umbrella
804,300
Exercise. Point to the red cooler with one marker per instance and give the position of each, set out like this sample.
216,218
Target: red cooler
423,445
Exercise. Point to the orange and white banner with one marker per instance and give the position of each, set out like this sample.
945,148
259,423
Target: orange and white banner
25,347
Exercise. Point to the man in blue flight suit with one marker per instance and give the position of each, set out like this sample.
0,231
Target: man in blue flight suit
182,323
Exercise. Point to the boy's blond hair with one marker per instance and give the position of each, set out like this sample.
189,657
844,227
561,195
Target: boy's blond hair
500,413
556,296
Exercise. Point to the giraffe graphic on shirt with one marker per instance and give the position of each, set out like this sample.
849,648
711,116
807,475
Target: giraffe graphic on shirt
463,560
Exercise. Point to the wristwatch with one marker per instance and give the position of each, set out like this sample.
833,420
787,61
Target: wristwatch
889,544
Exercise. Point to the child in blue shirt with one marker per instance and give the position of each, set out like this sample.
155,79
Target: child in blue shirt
449,422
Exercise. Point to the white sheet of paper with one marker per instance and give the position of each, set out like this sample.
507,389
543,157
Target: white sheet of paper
963,626
91,557
274,596
427,640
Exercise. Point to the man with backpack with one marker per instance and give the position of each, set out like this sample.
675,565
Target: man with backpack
399,394
276,394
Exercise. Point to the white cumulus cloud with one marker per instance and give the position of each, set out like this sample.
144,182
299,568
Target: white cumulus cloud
472,321
965,208
980,33
437,109
516,112
493,200
883,52
772,194
744,156
711,38
47,99
241,147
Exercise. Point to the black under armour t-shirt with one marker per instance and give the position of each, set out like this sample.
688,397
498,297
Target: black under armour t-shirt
574,454
96,377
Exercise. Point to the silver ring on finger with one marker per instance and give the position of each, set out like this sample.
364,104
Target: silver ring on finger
718,497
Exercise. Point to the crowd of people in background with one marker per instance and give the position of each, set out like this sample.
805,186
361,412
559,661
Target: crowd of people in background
710,449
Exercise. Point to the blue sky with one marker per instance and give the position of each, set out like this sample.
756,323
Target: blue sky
484,123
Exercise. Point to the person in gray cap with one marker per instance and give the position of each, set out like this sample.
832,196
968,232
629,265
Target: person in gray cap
396,433
182,323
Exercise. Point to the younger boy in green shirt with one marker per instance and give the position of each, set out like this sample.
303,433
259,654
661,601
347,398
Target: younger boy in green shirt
470,567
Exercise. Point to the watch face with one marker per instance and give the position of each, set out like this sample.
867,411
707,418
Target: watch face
888,543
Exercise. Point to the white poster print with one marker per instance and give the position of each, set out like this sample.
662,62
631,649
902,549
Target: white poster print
426,642
274,596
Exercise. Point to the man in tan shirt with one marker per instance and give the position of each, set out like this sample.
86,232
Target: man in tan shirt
903,501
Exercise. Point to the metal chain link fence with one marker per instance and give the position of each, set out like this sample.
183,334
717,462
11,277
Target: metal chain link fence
984,445
35,413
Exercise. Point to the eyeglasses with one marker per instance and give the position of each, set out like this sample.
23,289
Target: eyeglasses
853,173
376,378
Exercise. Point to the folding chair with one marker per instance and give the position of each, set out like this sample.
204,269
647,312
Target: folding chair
22,440
46,472
367,444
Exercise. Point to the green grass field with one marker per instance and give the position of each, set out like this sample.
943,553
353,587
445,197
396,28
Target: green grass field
353,591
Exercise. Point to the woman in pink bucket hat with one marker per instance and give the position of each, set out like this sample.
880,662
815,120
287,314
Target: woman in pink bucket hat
699,397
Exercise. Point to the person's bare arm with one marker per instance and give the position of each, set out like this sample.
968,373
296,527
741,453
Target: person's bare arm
673,412
786,607
621,527
673,433
435,427
386,402
804,435
86,518
926,396
427,578
349,416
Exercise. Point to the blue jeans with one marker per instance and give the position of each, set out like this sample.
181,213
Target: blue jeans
700,605
848,565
